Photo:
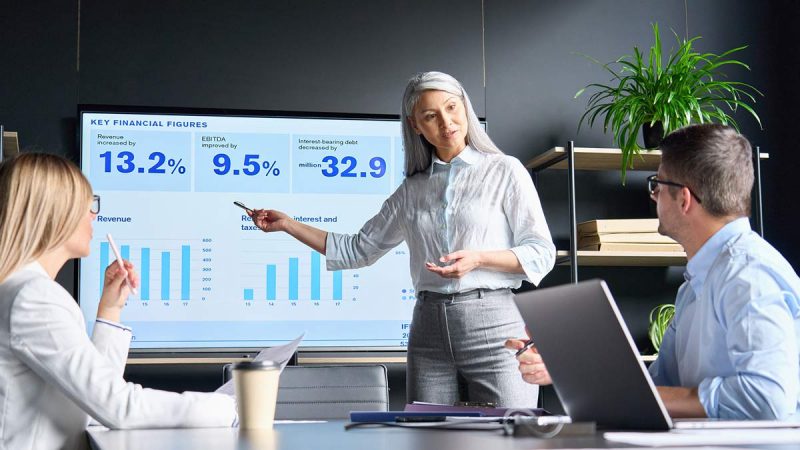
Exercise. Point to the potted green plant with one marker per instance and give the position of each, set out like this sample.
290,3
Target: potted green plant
658,97
660,318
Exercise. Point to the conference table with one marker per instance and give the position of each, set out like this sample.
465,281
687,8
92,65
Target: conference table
304,436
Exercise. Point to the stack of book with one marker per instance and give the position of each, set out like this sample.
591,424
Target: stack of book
624,235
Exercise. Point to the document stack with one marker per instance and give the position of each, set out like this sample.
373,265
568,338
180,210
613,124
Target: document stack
624,235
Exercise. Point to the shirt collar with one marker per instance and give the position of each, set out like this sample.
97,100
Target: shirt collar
698,267
468,156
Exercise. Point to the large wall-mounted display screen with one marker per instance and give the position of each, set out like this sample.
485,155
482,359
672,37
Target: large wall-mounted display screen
210,279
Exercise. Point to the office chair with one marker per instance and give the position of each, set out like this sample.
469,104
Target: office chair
329,391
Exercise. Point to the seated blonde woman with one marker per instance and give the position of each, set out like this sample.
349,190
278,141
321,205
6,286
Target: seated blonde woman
53,377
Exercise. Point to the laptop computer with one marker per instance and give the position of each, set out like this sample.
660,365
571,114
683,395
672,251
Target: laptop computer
591,357
594,363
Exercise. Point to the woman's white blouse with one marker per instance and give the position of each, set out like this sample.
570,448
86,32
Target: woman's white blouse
53,377
478,201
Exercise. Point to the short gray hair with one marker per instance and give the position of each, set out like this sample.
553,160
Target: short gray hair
418,150
715,162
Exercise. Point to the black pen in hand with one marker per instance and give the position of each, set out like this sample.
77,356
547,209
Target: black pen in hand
524,348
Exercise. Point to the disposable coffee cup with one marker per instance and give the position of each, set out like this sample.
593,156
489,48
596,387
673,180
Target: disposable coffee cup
256,386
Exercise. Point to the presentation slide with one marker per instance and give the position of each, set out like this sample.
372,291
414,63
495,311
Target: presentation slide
209,277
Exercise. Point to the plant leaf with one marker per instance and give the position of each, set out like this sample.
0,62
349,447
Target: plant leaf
689,87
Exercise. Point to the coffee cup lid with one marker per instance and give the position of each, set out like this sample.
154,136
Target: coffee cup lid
256,365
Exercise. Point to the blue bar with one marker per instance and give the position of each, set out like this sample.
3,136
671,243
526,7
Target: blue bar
315,276
145,273
103,263
248,294
294,270
125,252
271,281
337,285
185,264
164,275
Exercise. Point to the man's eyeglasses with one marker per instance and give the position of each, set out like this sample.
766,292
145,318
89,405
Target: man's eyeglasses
653,182
95,208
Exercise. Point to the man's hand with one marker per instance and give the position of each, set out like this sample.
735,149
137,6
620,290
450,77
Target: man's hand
681,402
531,364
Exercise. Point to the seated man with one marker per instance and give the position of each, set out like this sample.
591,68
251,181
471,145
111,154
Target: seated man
732,349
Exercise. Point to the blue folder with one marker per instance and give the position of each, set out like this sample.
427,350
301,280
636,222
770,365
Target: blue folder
391,416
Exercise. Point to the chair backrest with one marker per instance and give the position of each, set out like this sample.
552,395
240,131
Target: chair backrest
330,391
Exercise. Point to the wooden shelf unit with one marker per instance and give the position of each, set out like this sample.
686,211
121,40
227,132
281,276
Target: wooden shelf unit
627,259
587,158
10,144
573,158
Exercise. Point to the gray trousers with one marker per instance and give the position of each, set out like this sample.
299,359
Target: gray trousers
456,353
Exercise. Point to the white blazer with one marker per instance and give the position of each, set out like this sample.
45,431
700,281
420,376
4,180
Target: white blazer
53,377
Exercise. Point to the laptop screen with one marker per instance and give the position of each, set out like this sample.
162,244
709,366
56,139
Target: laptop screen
591,357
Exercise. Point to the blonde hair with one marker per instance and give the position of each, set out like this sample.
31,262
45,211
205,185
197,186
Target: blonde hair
43,198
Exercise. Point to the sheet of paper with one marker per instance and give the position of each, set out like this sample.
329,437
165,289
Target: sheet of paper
707,437
281,354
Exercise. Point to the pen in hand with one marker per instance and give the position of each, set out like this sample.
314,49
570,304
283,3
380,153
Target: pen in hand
524,348
114,248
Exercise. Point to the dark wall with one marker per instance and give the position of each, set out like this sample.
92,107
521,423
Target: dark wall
518,59
780,74
281,55
39,78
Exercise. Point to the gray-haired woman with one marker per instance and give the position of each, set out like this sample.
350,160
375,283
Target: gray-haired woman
475,229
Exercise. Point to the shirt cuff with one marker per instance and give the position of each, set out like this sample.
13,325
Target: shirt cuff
708,393
333,257
115,325
530,260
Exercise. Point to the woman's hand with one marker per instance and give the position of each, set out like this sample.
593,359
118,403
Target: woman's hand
463,262
116,291
531,364
269,220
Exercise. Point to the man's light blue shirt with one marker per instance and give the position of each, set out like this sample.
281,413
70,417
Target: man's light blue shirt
736,329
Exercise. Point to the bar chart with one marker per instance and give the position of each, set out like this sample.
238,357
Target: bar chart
169,270
299,277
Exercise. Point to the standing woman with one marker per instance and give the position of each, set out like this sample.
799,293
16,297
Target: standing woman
52,376
475,229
